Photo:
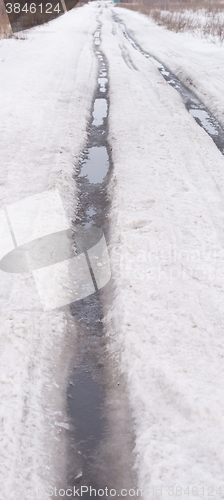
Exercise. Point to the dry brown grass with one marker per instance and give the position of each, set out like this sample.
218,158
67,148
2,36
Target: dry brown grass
202,17
174,5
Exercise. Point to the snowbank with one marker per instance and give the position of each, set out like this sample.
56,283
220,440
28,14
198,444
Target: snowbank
46,91
166,245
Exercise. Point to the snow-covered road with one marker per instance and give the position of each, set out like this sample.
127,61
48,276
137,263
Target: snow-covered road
164,322
47,84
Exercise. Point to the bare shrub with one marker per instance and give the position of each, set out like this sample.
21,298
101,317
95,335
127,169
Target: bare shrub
217,30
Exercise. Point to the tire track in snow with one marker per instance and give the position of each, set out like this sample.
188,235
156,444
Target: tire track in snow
94,392
195,107
208,185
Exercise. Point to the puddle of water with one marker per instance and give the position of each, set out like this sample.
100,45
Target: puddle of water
97,165
91,211
204,118
99,112
196,108
85,393
85,405
164,72
157,63
102,82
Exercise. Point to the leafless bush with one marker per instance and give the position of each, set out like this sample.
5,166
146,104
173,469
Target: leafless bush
217,30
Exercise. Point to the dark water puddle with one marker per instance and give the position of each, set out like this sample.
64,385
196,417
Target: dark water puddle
99,112
196,108
96,166
86,389
103,82
85,393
